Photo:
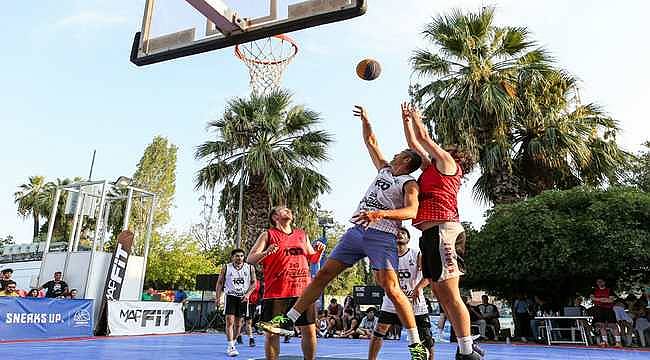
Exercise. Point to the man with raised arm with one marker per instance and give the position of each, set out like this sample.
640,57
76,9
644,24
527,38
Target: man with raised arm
285,254
391,198
443,238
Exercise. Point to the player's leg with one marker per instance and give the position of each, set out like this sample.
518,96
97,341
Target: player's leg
308,342
377,340
271,346
424,330
325,275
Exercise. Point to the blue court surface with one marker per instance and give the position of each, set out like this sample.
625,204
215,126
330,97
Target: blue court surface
213,346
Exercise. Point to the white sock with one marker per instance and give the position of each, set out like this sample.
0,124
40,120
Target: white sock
413,336
231,343
617,338
465,345
604,339
293,314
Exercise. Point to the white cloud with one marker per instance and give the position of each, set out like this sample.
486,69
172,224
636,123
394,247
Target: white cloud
90,18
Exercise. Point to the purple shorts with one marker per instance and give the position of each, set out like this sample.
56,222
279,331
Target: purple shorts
379,246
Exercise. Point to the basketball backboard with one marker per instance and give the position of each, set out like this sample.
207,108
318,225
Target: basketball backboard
170,28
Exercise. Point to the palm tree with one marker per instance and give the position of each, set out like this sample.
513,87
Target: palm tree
32,201
277,147
496,95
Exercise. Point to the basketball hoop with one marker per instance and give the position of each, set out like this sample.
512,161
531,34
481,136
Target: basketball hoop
266,60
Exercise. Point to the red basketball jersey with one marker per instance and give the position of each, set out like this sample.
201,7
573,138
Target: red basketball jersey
286,272
438,195
603,293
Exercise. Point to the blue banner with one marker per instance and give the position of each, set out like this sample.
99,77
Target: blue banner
42,318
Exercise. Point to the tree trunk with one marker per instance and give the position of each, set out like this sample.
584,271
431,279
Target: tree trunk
505,187
37,225
257,213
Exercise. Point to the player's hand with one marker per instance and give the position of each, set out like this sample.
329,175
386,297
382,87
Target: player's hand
406,112
365,218
360,111
218,302
272,249
415,295
318,246
245,297
415,113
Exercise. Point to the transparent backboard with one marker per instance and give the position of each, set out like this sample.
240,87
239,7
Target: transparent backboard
178,28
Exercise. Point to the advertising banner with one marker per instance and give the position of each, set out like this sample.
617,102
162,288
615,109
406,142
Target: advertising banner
43,318
144,318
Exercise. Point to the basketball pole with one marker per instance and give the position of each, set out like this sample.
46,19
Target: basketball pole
241,207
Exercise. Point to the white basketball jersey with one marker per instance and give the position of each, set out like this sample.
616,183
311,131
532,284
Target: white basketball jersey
409,276
385,193
237,280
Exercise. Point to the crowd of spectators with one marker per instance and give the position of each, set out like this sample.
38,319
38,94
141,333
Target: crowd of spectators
53,289
610,320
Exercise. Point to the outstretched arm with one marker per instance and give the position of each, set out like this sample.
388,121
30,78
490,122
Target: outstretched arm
411,140
257,252
444,162
369,138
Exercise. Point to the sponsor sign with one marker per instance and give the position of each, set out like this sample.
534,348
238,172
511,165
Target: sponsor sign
145,317
43,318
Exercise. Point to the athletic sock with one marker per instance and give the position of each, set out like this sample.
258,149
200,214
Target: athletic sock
465,345
617,338
413,336
604,339
231,343
293,314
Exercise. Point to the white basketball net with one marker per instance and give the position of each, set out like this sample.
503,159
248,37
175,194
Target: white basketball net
266,60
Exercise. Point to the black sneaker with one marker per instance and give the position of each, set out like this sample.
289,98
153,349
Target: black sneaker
287,339
418,352
239,340
279,325
473,356
251,342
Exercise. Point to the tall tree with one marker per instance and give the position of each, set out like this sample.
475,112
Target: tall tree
32,201
276,146
496,94
639,171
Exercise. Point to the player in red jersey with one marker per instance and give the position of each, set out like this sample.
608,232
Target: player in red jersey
443,238
285,254
604,316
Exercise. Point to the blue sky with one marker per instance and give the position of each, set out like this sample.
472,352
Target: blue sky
68,87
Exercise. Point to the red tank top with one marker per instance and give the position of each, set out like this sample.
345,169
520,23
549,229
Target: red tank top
255,295
603,293
438,195
286,272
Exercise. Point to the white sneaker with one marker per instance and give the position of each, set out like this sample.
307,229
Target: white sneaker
232,351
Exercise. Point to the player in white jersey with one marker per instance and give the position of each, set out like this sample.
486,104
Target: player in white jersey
237,281
410,274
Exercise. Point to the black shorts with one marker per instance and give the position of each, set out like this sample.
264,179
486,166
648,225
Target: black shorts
421,321
250,313
443,250
235,306
602,315
274,307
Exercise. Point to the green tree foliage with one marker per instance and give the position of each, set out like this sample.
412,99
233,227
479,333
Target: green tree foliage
278,148
639,172
156,172
355,275
494,92
32,201
175,260
557,243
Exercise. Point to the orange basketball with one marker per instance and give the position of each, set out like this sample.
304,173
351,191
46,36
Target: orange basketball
368,69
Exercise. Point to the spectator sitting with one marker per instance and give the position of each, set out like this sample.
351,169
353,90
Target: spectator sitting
350,324
149,294
33,293
583,312
368,324
490,314
322,324
10,289
180,296
5,277
475,317
624,320
642,322
56,288
72,294
335,312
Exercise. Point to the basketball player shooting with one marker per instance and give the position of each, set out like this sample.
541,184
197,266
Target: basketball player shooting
391,198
